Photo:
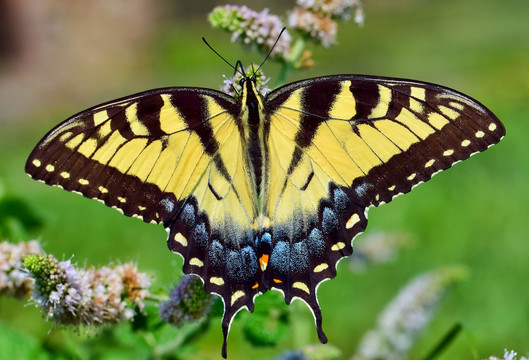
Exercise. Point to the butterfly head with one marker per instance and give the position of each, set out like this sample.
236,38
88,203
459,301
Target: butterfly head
235,86
246,80
250,97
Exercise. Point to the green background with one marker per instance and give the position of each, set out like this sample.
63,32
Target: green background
475,214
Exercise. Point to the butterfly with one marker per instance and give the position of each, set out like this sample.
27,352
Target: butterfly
264,192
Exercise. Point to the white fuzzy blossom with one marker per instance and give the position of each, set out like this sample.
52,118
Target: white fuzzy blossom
377,247
71,296
187,302
332,8
508,355
260,29
232,86
14,281
320,28
317,18
406,316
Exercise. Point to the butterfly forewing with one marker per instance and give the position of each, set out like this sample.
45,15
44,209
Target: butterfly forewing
377,136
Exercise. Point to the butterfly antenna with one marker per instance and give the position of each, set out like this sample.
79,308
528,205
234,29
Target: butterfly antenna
220,56
241,71
271,49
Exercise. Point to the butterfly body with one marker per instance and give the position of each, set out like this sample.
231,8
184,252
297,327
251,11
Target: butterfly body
264,193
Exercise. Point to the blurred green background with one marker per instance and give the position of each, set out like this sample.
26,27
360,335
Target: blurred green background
57,58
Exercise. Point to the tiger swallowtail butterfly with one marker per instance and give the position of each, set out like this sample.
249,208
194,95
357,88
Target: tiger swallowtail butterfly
260,193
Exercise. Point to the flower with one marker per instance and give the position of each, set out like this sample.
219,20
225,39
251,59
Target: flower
376,248
331,8
71,296
313,351
187,302
14,281
291,355
407,315
233,87
508,355
252,28
320,28
316,19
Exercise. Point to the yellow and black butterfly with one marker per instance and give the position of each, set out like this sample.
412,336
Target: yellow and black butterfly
266,192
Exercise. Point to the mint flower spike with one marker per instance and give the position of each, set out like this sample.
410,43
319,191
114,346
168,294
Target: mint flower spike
252,28
407,315
187,302
339,9
71,296
376,248
316,19
317,27
14,281
508,355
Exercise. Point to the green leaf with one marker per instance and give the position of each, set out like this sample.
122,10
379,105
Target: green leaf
17,219
269,324
15,344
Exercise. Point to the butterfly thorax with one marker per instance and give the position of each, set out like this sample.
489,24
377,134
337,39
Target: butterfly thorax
252,117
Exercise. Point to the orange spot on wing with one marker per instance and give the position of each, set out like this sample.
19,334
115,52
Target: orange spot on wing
263,260
255,286
277,281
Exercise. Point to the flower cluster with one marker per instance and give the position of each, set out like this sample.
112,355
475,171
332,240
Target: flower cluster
317,18
249,27
233,87
291,355
333,8
508,355
310,352
313,21
376,248
407,315
71,296
13,280
187,302
320,28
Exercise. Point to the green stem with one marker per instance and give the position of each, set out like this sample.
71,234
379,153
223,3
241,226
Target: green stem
445,342
292,61
170,347
156,298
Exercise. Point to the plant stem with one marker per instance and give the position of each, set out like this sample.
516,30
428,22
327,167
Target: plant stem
291,62
183,334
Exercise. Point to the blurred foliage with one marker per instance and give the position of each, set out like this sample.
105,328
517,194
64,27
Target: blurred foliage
475,215
17,219
269,324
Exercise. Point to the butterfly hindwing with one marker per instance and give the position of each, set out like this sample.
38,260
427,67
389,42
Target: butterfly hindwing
341,144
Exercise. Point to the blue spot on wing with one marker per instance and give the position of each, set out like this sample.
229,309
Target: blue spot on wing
315,242
241,265
341,201
280,257
188,215
250,260
330,221
266,238
234,265
200,235
299,257
216,254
